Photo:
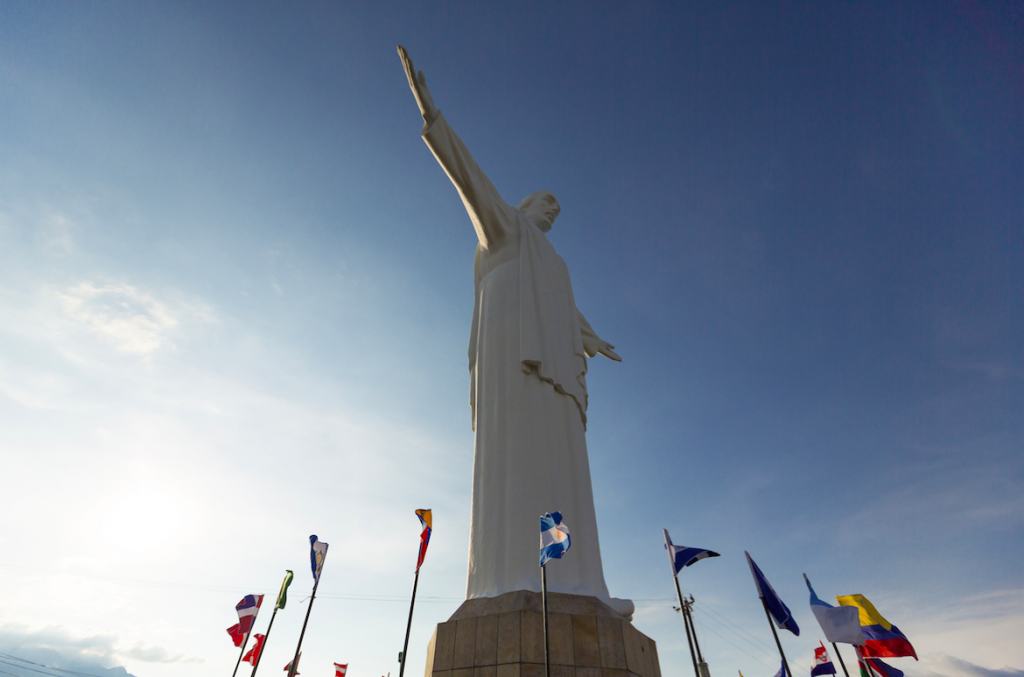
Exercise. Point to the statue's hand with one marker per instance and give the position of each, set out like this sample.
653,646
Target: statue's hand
594,344
606,350
418,85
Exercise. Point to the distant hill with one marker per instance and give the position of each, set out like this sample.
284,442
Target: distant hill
37,662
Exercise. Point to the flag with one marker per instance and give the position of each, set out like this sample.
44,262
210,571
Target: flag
317,554
874,667
288,668
254,653
839,623
236,634
282,597
427,521
339,669
554,537
882,639
782,669
247,610
683,556
822,664
779,611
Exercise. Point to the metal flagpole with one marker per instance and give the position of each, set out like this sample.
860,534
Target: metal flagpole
771,624
679,596
689,629
408,627
689,612
259,656
840,657
544,606
686,623
700,658
298,649
242,652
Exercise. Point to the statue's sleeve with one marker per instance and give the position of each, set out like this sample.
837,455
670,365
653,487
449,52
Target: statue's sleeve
490,214
590,337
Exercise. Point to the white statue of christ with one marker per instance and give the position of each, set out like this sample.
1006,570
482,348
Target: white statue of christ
528,394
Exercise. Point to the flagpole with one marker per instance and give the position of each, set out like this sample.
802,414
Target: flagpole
259,656
686,622
679,596
298,649
408,627
840,657
771,625
689,612
544,606
242,652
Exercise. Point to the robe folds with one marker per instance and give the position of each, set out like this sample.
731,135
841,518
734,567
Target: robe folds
528,396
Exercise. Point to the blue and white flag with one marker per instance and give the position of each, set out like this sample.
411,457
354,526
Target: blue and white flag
554,537
822,664
782,669
776,607
317,555
839,623
683,556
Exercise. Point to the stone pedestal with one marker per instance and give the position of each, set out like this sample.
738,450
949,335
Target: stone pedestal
504,637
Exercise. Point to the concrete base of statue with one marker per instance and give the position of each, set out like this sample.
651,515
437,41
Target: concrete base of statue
504,637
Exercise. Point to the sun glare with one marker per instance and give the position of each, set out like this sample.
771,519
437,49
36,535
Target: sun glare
142,520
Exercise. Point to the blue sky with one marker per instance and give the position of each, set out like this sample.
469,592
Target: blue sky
235,294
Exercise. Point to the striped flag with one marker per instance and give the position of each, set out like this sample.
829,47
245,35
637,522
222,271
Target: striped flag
683,557
427,521
554,537
822,664
778,609
247,610
339,669
874,667
882,639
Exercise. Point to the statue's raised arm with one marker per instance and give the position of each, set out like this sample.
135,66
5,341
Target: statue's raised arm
418,85
492,217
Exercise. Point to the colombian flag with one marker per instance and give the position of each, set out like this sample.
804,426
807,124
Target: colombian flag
873,667
882,639
427,521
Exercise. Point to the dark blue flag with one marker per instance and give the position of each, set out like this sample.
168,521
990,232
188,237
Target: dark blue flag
779,611
683,556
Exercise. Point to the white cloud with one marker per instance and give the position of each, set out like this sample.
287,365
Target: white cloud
130,320
943,665
157,654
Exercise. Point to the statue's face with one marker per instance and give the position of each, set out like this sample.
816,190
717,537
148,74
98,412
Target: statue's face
542,208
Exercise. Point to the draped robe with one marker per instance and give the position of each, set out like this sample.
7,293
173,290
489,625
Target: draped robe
528,396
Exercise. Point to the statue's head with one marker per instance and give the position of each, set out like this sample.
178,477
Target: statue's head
541,208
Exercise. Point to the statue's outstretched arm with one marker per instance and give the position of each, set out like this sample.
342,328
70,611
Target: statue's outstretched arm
594,344
492,217
418,85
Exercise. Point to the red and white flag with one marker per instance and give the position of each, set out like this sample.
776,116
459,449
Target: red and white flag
236,634
340,670
254,653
